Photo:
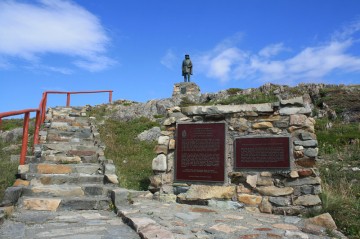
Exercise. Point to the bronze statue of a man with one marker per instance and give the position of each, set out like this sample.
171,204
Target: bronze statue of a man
187,68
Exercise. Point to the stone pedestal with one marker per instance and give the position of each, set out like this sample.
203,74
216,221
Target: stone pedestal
186,89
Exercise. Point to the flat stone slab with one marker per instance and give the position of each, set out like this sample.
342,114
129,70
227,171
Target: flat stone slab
227,109
73,178
26,224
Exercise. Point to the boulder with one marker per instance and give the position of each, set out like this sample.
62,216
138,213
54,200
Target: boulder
150,135
11,135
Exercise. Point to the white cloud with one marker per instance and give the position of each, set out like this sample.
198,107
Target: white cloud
220,62
229,62
169,59
220,66
272,50
29,31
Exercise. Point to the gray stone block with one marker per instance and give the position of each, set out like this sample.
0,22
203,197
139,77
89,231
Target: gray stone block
109,168
297,101
302,181
120,197
306,136
93,190
311,152
11,196
280,201
307,143
229,205
295,110
85,203
159,163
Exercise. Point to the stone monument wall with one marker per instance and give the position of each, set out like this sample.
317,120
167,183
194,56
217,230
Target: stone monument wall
290,187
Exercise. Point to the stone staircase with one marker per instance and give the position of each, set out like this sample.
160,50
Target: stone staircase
69,170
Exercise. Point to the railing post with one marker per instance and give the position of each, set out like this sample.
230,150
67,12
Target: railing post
37,128
25,138
68,100
110,96
43,107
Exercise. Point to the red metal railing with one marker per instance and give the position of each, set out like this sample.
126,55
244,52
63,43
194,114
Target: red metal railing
40,117
43,101
25,138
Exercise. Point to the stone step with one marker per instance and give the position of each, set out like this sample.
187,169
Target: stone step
69,146
47,168
61,204
61,159
65,190
71,121
87,203
68,135
72,157
73,178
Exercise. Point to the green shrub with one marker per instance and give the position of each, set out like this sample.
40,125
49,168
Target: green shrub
233,91
158,116
255,98
340,99
9,124
98,111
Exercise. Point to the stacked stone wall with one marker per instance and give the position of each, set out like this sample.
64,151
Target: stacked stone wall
287,191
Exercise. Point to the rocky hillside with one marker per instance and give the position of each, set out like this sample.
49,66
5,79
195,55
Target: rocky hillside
326,101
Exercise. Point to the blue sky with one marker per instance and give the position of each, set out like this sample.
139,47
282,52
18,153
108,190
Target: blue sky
136,47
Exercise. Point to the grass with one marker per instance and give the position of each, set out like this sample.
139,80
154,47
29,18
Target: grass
254,98
341,184
131,157
8,168
335,138
341,189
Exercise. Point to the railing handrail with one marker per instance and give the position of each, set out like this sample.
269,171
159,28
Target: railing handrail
16,112
78,92
40,116
43,101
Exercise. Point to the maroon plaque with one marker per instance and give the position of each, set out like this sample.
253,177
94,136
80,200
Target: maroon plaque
262,153
200,152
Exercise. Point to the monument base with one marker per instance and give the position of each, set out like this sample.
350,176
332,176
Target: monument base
185,89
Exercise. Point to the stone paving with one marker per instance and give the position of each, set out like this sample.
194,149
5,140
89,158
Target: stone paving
155,219
148,218
86,224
